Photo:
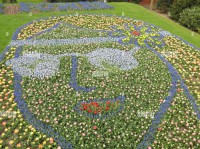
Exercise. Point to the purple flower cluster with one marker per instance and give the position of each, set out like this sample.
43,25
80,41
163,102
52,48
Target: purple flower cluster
88,5
67,6
44,6
24,7
27,7
1,9
102,5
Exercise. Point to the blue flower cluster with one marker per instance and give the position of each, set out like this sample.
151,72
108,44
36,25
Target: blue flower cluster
73,83
120,98
68,6
1,9
28,7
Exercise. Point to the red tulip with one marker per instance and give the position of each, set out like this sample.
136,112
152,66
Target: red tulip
95,127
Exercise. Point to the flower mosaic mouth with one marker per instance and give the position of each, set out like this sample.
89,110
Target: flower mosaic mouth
58,95
101,108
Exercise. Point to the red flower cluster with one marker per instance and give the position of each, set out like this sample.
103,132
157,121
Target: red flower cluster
136,33
95,107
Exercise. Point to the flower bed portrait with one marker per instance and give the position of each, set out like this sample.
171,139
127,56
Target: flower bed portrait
99,81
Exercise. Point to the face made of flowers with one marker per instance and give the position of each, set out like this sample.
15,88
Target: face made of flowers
71,79
42,65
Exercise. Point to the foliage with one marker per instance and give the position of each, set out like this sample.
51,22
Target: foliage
191,18
164,5
179,5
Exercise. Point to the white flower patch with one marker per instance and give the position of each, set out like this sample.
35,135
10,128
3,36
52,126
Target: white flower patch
42,65
124,60
37,65
164,33
62,41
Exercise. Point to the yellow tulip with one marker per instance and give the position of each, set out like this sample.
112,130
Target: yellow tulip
16,131
18,145
11,142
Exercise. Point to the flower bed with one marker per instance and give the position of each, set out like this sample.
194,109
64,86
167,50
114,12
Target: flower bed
43,7
1,9
97,81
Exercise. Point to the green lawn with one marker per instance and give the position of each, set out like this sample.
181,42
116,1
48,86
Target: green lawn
9,23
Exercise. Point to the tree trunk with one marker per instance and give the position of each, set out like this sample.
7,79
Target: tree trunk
151,6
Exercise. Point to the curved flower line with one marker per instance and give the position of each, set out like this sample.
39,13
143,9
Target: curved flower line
2,55
120,98
150,134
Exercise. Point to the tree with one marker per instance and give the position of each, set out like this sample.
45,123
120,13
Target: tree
151,5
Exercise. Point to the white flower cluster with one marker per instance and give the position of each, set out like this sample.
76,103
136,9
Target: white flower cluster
124,60
62,41
164,33
35,65
42,65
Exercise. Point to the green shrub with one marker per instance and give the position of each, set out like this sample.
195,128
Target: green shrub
191,18
164,5
9,1
179,5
